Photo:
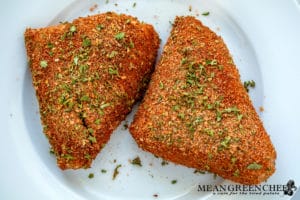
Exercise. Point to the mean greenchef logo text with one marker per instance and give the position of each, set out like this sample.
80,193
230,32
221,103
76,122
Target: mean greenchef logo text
263,189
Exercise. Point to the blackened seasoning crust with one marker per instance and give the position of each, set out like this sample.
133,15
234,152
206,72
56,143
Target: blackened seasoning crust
197,113
87,74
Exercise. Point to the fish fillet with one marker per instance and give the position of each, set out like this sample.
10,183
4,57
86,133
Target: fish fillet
197,113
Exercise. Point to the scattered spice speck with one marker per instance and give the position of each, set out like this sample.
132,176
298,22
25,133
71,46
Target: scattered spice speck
51,151
248,84
134,5
103,171
199,171
116,172
174,181
163,163
215,176
205,13
91,175
93,7
136,161
126,125
155,195
261,109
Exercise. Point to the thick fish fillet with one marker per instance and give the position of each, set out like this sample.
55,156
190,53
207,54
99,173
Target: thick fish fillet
197,113
87,74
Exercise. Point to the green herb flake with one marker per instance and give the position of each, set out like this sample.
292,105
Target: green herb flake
91,175
83,68
113,71
92,139
120,36
99,27
210,106
63,37
67,157
218,116
101,112
210,132
176,108
211,62
131,44
75,60
239,117
205,13
97,121
134,5
136,161
102,106
51,151
43,64
184,61
254,166
210,156
181,115
73,29
174,181
87,156
116,171
103,171
232,109
112,54
236,173
220,67
127,21
90,130
248,84
85,98
233,160
50,45
161,85
198,120
86,42
225,142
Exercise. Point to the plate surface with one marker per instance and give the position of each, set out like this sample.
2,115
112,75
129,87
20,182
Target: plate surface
264,43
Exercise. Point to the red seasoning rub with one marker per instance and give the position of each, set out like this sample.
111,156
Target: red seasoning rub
197,113
87,75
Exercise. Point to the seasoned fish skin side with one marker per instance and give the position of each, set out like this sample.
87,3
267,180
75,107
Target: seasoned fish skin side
197,113
87,74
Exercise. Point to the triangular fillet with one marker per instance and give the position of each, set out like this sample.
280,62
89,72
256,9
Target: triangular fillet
87,74
197,113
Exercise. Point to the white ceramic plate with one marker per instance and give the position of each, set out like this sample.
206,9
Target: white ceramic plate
264,39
